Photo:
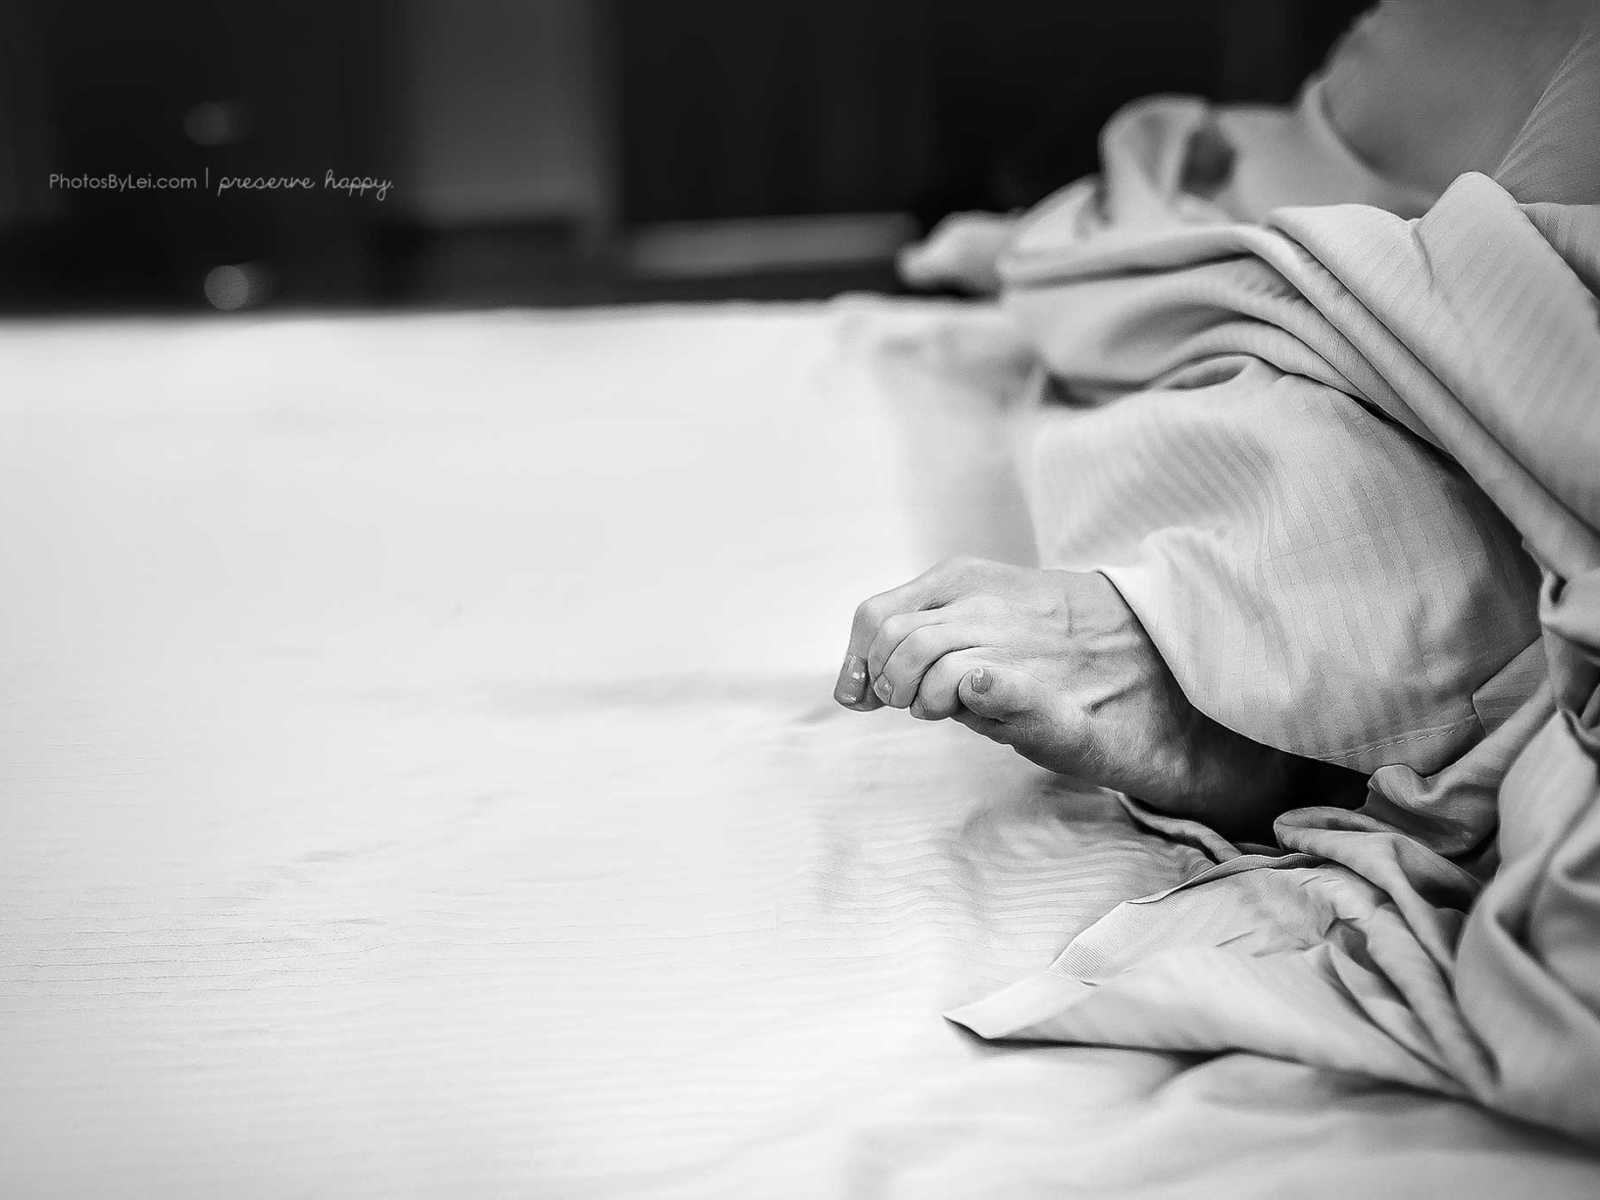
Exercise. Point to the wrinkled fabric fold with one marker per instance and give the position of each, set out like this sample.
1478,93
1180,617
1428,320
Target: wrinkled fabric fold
1345,467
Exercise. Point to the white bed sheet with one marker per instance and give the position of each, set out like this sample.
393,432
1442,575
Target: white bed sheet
418,778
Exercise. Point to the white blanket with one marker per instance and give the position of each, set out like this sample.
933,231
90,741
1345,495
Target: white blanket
1346,469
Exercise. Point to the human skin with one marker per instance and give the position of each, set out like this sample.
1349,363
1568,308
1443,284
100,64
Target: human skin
1055,665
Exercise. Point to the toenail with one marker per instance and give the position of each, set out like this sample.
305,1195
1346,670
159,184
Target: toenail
852,680
885,690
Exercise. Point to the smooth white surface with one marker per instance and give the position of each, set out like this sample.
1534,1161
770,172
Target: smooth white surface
418,777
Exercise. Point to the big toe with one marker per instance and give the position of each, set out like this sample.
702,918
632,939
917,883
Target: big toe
996,694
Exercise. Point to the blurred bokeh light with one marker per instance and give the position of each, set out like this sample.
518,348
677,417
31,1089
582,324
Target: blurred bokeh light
196,154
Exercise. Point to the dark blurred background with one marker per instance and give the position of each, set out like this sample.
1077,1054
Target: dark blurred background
564,151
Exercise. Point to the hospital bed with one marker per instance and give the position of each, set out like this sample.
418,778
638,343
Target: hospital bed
419,777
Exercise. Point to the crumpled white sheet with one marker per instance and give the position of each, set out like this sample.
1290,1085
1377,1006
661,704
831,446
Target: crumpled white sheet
1343,467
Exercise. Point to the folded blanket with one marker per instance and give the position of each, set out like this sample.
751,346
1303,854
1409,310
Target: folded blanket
1345,467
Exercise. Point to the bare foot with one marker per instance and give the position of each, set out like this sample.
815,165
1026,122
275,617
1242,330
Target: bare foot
1056,666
